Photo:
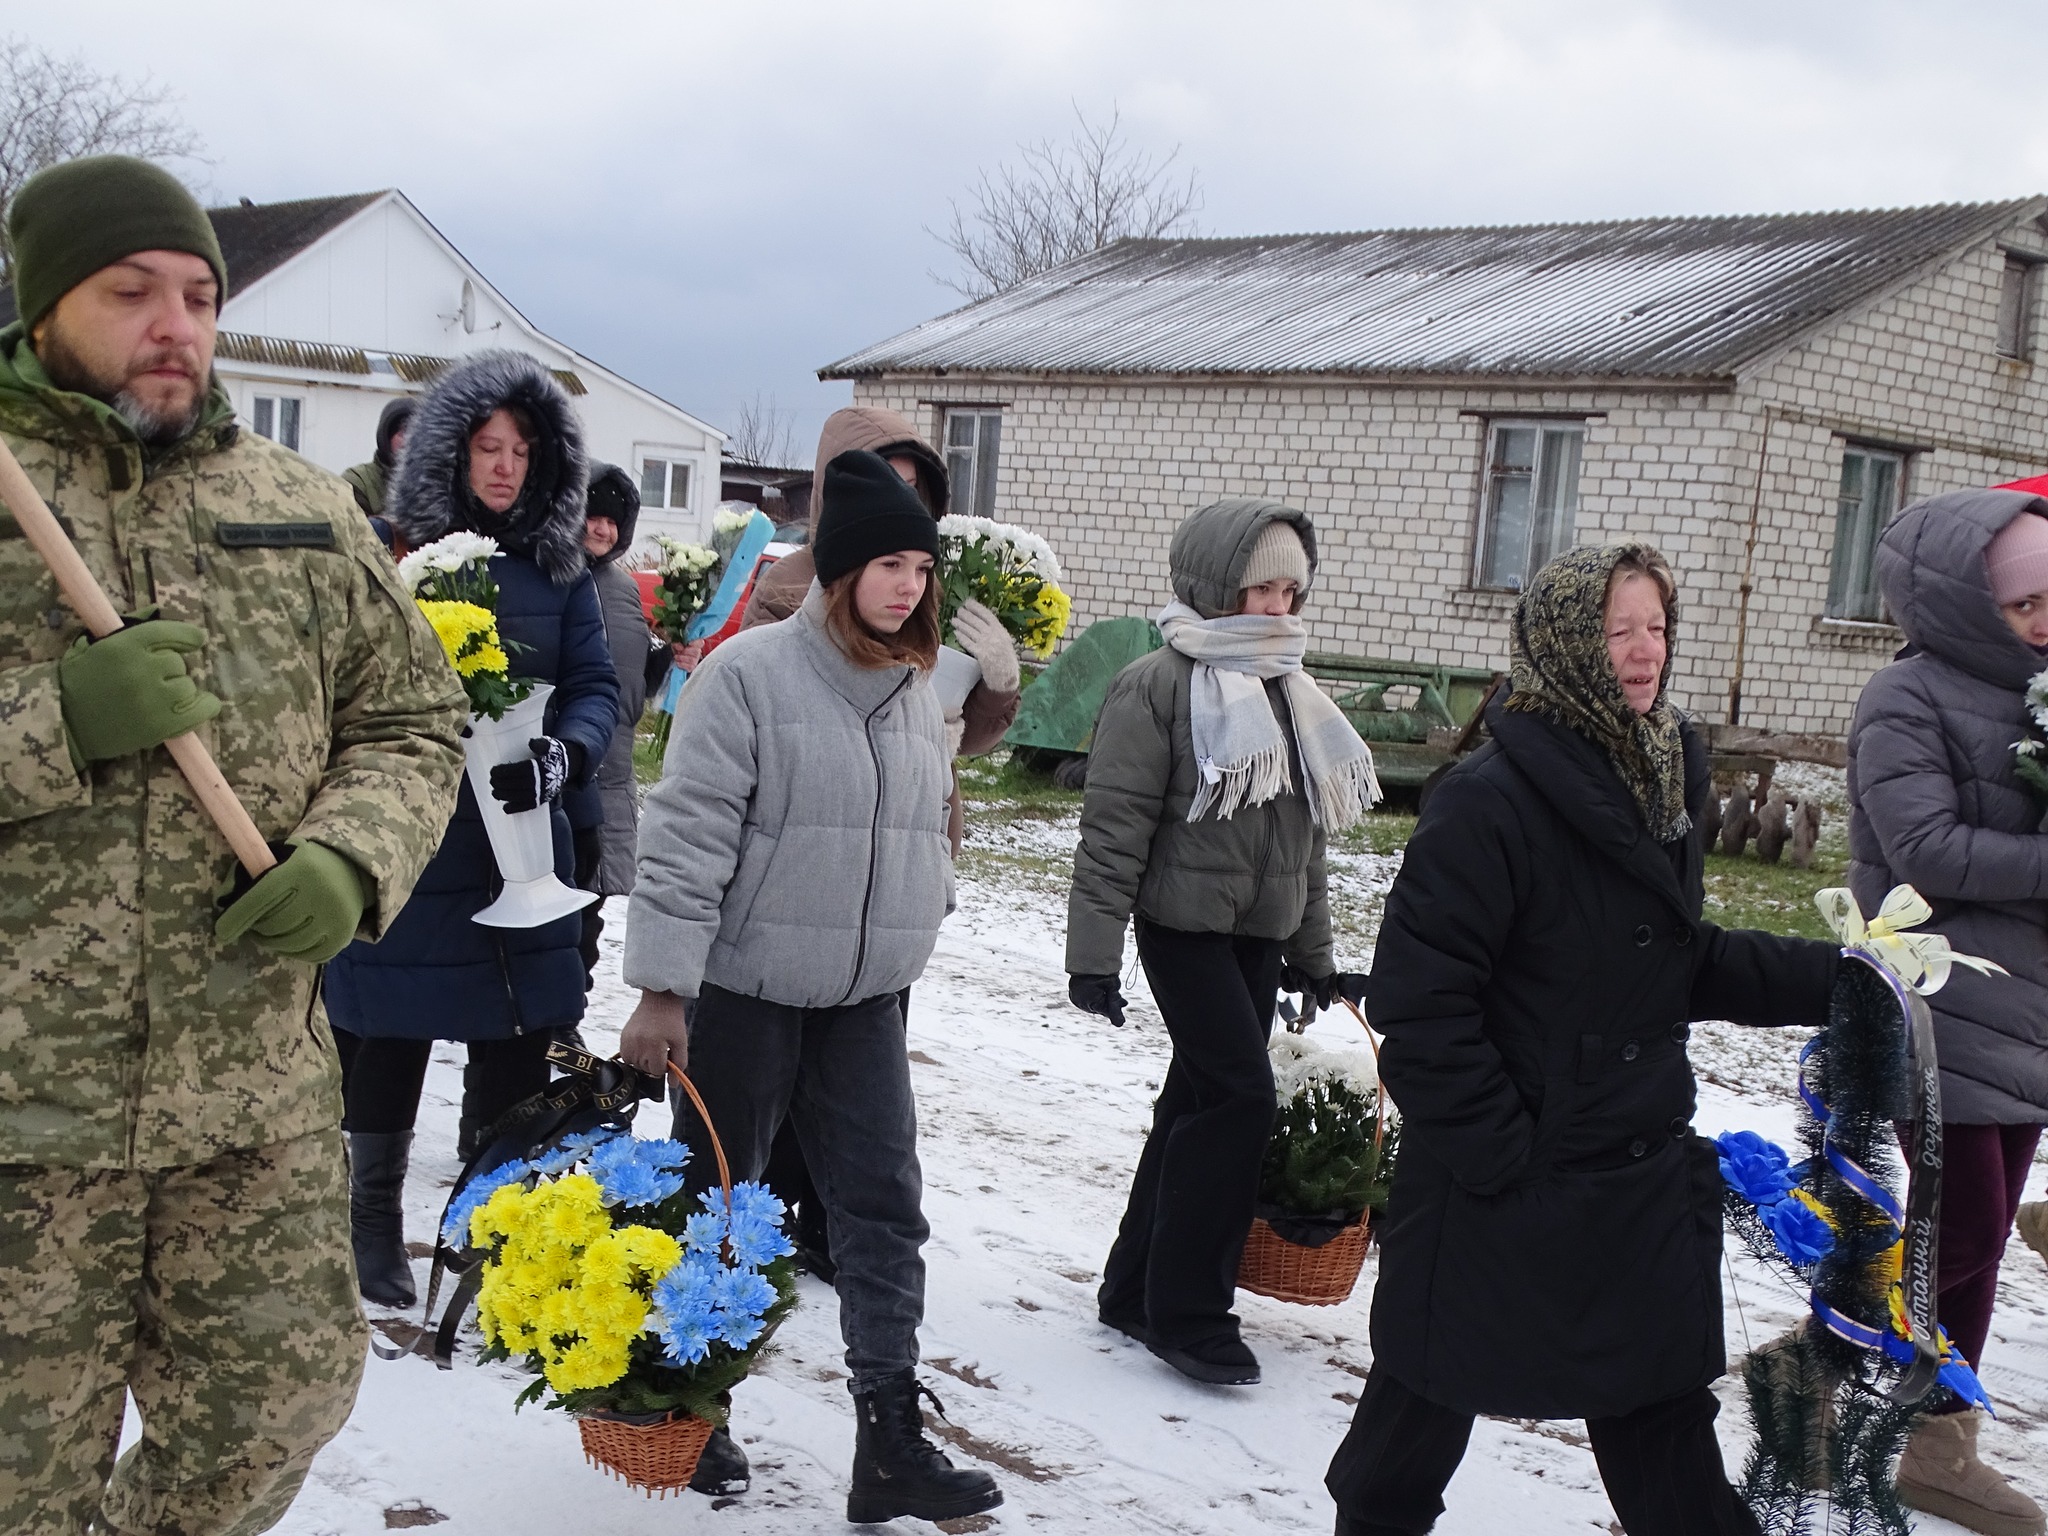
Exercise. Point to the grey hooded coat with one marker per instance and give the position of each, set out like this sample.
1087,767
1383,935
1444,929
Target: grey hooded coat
795,849
1260,873
1934,803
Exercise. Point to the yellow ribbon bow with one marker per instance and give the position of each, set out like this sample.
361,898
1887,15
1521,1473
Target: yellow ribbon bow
1920,960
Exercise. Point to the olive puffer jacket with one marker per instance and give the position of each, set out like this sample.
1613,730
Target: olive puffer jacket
1258,873
1934,802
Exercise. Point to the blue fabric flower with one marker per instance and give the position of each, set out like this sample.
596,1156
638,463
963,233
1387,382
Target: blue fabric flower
630,1171
474,1195
1756,1169
1801,1235
571,1150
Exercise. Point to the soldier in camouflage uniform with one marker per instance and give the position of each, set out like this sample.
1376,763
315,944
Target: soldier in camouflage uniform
173,1194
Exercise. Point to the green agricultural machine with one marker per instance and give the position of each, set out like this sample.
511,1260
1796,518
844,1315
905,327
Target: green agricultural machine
1418,717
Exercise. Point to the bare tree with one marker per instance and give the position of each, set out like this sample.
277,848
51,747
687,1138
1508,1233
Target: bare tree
54,109
1065,200
764,433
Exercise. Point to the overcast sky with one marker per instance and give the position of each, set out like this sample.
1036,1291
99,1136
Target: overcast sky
715,200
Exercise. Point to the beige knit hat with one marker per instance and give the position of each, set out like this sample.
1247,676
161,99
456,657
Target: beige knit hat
1278,556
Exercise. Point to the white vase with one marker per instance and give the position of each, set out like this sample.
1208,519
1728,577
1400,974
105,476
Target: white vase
954,678
523,842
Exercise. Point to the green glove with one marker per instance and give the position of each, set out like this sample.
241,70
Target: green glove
307,908
129,692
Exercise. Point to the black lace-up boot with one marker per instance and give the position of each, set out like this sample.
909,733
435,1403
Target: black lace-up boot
897,1471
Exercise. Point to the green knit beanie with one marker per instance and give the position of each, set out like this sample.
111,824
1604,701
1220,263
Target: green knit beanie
69,221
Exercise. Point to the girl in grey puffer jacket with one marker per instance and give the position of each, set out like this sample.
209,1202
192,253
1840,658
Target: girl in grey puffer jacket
793,873
1935,803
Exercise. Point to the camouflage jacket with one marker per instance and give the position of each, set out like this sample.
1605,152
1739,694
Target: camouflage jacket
128,1037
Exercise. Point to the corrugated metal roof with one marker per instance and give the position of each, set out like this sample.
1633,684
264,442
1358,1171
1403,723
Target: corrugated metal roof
1641,298
242,347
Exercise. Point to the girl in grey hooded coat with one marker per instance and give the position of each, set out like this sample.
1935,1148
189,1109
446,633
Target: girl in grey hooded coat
1935,802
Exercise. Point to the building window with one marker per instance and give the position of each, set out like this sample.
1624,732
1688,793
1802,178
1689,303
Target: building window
277,418
665,483
972,438
1529,501
2016,307
1871,480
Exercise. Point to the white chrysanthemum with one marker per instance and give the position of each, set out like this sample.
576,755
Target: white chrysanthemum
1299,1063
1023,547
451,552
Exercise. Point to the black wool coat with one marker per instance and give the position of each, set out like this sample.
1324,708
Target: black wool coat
1553,1238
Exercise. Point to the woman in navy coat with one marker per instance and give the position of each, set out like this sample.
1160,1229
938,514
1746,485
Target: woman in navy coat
493,449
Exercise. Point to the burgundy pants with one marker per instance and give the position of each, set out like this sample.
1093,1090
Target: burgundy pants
1983,1171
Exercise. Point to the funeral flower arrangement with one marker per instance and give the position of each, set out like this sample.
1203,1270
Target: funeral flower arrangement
1331,1156
1011,572
450,579
620,1292
685,586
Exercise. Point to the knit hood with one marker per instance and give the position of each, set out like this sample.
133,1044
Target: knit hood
430,492
1211,548
1930,566
877,430
614,495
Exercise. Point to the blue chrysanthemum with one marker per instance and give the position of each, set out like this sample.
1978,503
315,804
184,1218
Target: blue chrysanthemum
703,1232
685,1311
571,1150
742,1297
756,1242
634,1172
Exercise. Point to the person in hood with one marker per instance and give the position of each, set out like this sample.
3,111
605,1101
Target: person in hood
368,480
1936,802
494,449
793,875
1552,1241
1218,771
991,706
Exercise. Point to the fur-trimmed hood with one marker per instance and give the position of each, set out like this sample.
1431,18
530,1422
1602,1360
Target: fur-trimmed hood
430,489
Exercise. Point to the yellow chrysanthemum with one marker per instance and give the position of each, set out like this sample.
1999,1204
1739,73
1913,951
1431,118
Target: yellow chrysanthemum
466,631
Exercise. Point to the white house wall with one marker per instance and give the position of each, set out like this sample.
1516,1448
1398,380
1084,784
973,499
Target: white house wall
384,282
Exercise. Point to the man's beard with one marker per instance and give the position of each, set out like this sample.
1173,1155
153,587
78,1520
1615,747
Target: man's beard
155,426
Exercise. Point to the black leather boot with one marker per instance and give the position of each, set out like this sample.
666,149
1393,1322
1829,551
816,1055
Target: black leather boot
722,1470
376,1215
897,1471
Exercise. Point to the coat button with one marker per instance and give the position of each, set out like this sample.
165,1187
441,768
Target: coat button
1680,1125
1643,935
1681,1033
1681,937
1631,1051
1638,1148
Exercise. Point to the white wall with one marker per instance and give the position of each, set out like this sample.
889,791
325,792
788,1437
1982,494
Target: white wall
385,282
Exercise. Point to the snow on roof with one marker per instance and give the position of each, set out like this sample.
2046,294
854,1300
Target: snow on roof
1663,298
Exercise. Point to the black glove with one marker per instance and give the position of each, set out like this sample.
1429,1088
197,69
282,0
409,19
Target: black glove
1316,992
1097,994
529,785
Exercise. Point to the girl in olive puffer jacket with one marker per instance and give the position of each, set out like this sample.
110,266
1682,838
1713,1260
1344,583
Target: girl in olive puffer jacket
1217,769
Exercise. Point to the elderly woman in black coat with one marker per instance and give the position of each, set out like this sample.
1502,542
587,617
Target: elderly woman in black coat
1553,1239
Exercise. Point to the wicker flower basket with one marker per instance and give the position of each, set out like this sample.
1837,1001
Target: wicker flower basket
1315,1277
655,1453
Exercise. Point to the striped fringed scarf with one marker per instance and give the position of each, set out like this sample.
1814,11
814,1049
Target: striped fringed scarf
1240,745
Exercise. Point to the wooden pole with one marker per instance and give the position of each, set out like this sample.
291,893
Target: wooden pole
82,590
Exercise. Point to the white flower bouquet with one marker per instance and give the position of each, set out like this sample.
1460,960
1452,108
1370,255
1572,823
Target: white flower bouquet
1010,571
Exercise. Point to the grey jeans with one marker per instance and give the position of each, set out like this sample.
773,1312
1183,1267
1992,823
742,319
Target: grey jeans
843,1078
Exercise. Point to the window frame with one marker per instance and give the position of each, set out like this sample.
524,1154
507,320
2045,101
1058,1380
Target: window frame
1867,600
973,494
282,406
1564,521
2019,304
672,460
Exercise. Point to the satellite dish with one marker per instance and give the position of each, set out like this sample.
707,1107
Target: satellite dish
468,305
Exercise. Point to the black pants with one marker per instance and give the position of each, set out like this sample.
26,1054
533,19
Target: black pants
381,1078
842,1077
1661,1464
1174,1266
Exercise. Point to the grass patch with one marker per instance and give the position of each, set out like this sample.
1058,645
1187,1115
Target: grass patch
1748,893
999,784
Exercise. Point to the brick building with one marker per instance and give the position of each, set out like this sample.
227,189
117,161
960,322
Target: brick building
1756,396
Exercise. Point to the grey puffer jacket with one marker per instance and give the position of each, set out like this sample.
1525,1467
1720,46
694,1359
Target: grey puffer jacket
632,643
1934,803
795,849
1261,872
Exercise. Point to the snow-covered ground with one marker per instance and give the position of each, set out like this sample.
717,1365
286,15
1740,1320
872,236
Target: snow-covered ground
1031,1118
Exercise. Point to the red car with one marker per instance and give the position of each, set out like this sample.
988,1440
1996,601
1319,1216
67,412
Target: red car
650,584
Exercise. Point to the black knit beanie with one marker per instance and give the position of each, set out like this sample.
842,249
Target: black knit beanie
868,511
69,221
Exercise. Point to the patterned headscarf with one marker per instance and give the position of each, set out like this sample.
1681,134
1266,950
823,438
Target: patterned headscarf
1562,672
